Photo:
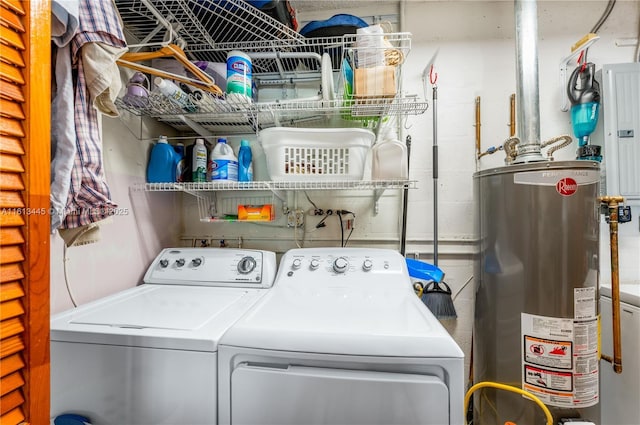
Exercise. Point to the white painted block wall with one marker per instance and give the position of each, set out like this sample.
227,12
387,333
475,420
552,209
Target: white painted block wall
476,58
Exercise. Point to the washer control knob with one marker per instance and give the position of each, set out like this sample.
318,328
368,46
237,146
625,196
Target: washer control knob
314,264
246,265
196,262
340,265
164,263
296,264
180,262
367,265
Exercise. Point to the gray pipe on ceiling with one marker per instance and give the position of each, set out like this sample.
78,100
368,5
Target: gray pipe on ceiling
527,90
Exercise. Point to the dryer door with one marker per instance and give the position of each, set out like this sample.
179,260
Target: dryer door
296,395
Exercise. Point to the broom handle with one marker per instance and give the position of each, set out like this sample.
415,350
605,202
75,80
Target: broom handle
405,199
435,175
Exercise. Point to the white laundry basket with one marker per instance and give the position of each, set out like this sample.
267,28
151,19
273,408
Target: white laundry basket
316,154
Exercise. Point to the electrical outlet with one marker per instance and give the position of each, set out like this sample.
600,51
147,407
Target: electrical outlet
295,218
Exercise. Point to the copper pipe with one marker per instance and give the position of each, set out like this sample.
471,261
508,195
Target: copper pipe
478,154
612,203
512,115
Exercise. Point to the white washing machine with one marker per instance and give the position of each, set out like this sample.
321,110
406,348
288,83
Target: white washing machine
148,355
340,339
620,393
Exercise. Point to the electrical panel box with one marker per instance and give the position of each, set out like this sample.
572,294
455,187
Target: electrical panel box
620,128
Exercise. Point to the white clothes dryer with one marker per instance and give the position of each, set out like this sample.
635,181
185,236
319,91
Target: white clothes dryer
340,339
148,355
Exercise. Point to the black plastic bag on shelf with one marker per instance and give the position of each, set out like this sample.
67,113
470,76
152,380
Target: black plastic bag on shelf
280,10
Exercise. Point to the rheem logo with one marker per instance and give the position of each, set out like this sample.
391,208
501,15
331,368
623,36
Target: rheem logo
566,186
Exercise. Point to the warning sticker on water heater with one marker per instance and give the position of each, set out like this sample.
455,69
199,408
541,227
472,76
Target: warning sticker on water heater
560,360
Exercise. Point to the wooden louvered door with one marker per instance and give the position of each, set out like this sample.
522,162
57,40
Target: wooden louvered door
24,201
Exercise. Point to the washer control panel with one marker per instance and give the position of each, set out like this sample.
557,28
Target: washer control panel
317,265
213,267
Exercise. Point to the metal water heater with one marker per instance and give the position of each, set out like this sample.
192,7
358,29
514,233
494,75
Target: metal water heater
536,315
536,328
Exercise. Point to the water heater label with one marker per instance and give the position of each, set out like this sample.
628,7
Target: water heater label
567,182
560,359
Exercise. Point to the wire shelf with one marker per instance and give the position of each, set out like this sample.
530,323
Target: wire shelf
294,80
230,118
201,22
277,185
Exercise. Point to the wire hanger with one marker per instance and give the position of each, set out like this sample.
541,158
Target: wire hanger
203,81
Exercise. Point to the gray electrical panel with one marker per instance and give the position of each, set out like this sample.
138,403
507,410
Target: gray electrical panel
619,129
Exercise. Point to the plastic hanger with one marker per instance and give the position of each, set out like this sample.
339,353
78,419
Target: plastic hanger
204,82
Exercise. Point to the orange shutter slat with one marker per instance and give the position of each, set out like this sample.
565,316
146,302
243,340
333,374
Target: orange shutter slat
9,218
11,73
11,144
11,163
9,199
11,382
11,181
14,5
12,345
11,55
11,364
11,326
15,417
10,290
11,127
11,91
11,272
11,109
10,19
11,401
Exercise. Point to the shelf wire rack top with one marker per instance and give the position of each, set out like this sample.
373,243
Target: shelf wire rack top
201,22
293,78
277,185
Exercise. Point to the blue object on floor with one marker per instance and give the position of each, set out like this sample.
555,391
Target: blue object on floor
71,419
422,270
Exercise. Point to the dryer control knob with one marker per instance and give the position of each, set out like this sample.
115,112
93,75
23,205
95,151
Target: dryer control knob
180,262
196,262
314,264
367,265
296,264
164,263
340,265
246,265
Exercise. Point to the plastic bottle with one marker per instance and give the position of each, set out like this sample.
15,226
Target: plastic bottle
163,163
224,164
389,160
245,164
199,162
239,82
175,94
180,167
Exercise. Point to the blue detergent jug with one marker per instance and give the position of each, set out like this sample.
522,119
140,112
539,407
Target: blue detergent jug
245,165
163,163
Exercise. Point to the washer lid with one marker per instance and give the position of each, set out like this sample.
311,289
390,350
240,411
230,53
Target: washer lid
343,320
629,292
160,316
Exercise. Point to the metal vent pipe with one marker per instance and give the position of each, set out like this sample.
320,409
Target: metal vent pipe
527,93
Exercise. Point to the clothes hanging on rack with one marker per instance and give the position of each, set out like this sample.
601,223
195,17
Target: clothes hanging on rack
89,196
64,25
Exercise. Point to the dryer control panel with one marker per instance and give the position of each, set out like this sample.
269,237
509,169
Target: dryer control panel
213,267
330,265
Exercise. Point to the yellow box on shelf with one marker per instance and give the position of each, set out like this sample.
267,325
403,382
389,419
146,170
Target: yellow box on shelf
255,212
